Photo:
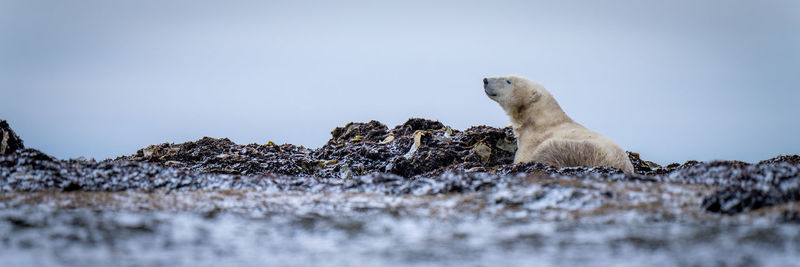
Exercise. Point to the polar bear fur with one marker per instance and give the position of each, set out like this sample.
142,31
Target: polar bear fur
545,133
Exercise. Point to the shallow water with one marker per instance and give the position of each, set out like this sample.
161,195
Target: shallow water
102,238
543,222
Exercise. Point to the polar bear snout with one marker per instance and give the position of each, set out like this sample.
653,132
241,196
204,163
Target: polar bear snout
490,87
486,86
489,90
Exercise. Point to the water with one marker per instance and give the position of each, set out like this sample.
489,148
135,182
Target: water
568,222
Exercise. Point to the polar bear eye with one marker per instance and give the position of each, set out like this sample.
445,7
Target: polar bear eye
508,81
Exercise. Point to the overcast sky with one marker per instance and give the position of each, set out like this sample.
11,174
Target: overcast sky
673,80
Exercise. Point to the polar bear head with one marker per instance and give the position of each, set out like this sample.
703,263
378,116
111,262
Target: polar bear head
523,100
513,93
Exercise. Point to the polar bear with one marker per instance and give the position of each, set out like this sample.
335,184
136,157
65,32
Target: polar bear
545,133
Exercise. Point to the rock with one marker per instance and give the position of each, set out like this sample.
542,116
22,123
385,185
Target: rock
356,131
749,187
222,156
417,156
9,141
416,124
483,151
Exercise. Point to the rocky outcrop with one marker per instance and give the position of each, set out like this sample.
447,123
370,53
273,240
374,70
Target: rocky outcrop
9,141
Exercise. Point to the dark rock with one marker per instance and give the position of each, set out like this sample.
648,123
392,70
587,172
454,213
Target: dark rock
790,217
416,124
211,155
642,166
372,131
748,187
9,141
417,157
438,148
791,159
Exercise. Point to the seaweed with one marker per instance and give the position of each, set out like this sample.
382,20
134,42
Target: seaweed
418,156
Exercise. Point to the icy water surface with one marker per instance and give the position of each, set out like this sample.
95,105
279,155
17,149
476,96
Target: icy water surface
523,227
421,194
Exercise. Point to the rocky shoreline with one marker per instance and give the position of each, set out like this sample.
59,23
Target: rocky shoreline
370,155
439,196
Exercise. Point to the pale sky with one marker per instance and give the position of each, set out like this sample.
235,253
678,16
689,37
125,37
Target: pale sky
672,80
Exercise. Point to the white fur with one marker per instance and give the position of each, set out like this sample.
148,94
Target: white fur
545,133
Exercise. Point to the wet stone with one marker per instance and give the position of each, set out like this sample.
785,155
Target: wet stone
9,141
750,187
